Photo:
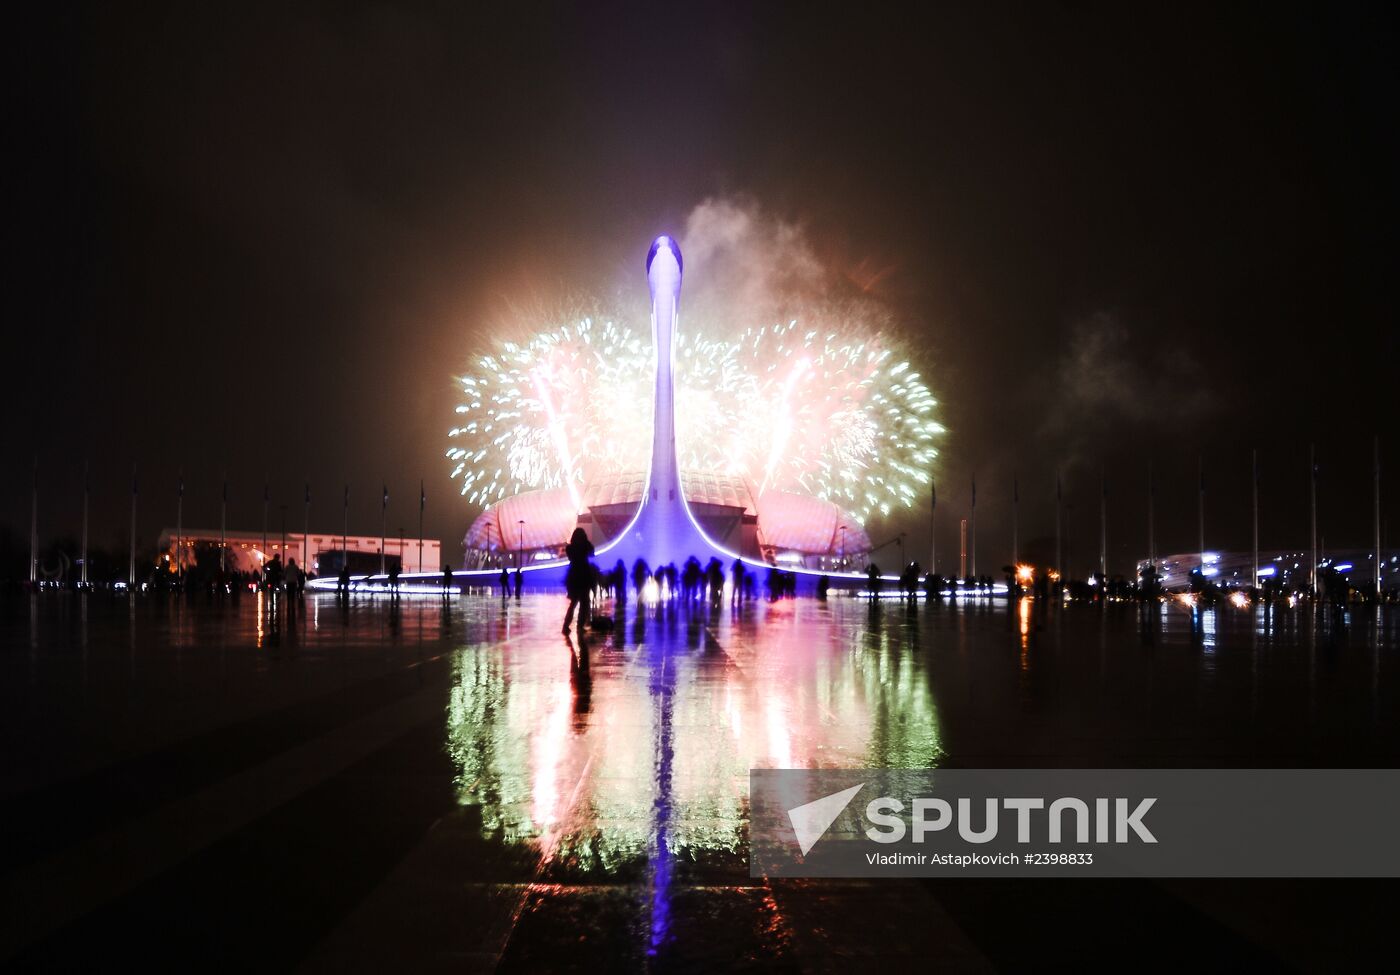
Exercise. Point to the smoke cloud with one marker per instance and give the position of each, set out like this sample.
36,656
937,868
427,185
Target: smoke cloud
1105,381
746,266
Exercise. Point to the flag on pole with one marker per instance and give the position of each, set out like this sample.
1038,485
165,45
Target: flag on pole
385,502
422,497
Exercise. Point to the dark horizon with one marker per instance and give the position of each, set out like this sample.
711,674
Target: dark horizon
1115,236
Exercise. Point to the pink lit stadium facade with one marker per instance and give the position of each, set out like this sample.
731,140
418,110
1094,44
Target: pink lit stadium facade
772,526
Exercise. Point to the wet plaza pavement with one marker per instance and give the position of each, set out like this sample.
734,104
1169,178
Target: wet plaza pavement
456,786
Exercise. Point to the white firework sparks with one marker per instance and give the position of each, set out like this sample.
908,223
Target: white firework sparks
830,412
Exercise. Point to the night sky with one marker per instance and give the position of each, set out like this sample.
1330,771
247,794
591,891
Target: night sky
258,241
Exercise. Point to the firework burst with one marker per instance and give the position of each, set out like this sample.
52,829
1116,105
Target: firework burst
830,412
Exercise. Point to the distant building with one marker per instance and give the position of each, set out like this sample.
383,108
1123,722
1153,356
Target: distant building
1289,570
328,552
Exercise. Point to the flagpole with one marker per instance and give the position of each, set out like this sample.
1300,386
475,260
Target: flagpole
974,526
1377,463
264,535
1058,549
422,503
83,578
34,527
180,531
383,521
306,530
1312,503
1151,527
1015,523
131,561
1201,511
223,529
345,533
1103,522
932,529
1255,490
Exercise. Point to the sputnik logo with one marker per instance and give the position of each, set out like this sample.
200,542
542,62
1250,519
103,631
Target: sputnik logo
811,821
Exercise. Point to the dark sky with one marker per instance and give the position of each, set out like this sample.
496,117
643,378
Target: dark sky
259,240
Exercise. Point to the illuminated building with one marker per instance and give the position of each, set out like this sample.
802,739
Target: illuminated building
245,551
1287,570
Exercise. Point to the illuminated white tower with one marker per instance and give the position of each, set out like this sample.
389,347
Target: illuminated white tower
663,529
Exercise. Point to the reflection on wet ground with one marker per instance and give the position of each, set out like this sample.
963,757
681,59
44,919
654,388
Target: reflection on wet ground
456,785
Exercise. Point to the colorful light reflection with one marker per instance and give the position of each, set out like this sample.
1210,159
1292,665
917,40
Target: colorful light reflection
655,763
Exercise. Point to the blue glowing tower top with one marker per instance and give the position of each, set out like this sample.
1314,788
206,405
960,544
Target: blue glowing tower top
663,530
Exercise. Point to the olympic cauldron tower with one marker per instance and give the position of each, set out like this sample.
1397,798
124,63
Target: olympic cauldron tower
664,529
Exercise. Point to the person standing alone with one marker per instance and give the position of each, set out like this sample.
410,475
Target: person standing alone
578,581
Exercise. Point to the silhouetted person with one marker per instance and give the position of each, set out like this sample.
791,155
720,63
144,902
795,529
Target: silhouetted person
690,578
872,575
715,580
342,582
446,580
505,582
933,586
519,581
578,580
1150,578
293,578
641,572
394,579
